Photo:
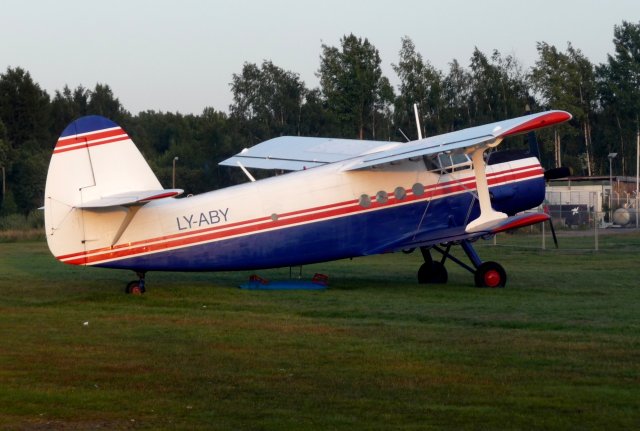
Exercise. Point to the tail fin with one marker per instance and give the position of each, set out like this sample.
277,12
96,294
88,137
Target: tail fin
94,165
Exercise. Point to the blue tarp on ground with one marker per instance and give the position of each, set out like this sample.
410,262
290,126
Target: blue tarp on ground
282,285
318,282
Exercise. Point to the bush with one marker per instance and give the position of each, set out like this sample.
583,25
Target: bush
18,227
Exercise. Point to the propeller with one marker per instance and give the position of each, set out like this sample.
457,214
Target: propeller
553,233
549,174
534,150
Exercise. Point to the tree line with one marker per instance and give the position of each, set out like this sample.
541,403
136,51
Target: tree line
354,100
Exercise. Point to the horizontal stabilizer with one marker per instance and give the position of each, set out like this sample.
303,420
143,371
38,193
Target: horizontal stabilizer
131,198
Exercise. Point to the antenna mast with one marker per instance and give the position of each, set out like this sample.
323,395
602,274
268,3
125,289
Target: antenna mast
415,110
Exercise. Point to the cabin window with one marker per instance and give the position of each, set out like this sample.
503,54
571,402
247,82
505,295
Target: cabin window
365,201
451,162
431,163
382,197
400,193
417,189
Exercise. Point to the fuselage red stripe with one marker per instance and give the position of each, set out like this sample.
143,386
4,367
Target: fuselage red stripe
93,144
101,137
303,216
102,134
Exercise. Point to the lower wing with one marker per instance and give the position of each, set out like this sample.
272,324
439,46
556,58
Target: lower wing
459,234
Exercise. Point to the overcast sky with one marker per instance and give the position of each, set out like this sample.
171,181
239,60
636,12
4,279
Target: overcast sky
180,55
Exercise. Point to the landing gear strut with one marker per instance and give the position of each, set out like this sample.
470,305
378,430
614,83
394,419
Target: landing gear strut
486,274
136,287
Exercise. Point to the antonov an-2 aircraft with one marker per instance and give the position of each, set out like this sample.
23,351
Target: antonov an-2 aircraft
345,198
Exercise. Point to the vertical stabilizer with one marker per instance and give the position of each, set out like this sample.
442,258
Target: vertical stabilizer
93,158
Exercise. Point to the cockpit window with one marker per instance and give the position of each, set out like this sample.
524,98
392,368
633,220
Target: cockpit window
448,162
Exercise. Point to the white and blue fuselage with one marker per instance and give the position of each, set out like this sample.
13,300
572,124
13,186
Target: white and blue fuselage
307,216
105,207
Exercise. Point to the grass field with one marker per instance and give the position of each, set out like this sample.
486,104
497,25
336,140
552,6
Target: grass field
559,348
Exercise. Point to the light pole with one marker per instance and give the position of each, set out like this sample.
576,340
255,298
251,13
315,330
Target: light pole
611,157
173,182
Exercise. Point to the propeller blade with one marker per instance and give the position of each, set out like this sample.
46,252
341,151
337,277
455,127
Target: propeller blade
553,233
534,149
555,173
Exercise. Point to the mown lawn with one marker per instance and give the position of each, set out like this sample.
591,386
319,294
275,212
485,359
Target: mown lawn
559,348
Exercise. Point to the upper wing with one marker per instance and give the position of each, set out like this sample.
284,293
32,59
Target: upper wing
297,153
294,153
463,139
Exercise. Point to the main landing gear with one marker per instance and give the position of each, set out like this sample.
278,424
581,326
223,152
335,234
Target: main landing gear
136,287
486,274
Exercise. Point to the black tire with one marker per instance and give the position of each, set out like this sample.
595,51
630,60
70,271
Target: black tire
490,274
134,288
432,273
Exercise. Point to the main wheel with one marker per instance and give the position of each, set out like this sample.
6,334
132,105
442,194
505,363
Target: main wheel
432,273
490,274
134,288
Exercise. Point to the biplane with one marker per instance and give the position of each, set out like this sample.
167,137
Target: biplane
339,198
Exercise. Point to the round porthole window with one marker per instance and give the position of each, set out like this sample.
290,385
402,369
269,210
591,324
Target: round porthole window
365,201
400,193
382,197
417,189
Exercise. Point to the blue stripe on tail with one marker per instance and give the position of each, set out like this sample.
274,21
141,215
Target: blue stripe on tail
90,123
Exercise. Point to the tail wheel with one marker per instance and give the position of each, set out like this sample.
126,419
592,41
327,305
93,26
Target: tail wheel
490,274
135,288
432,273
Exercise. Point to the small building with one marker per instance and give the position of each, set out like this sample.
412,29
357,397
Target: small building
578,200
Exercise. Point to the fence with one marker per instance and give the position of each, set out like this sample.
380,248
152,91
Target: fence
585,209
581,219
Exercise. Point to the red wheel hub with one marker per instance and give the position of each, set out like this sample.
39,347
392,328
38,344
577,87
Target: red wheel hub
492,278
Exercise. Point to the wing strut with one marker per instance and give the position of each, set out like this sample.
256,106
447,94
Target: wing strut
488,215
246,172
